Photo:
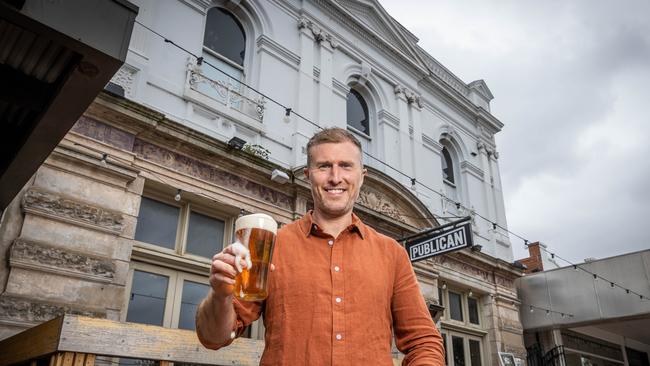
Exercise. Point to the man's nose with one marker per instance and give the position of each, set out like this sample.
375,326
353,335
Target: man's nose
335,175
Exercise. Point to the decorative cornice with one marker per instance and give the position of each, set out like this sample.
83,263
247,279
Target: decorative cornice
317,32
30,254
340,87
431,144
468,167
60,208
409,95
280,52
384,116
35,311
198,169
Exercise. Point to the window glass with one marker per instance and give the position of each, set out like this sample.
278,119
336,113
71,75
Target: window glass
472,308
157,223
459,351
204,235
447,166
475,352
192,295
455,306
225,35
357,112
147,301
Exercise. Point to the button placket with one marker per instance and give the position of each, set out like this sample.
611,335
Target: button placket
338,305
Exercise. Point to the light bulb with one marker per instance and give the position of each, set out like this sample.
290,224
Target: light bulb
287,115
103,161
177,197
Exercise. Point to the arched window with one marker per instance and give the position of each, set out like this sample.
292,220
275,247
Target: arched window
447,166
224,45
225,36
357,112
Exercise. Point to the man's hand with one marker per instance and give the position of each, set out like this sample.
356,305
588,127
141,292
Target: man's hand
225,266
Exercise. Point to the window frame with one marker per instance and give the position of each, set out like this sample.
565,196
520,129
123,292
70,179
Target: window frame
366,109
451,160
219,55
171,313
447,335
180,242
464,296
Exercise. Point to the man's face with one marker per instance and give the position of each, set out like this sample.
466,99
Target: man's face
336,175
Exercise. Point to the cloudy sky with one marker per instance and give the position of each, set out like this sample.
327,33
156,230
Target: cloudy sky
571,81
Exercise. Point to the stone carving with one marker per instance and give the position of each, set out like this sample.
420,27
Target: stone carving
458,266
198,169
376,202
104,133
31,310
505,282
41,255
53,204
409,95
319,34
125,77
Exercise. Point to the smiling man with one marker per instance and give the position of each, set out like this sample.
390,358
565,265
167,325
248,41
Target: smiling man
338,291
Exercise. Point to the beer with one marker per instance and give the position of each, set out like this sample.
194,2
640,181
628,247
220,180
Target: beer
255,232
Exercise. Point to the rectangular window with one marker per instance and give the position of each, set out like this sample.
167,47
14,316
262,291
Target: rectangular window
148,298
191,297
475,352
472,308
204,235
459,351
455,306
183,229
157,223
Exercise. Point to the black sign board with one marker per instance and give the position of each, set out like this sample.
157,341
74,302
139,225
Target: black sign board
442,239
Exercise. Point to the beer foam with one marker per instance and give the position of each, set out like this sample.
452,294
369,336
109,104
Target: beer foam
259,221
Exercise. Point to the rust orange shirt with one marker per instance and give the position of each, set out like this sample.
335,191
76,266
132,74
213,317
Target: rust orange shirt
336,301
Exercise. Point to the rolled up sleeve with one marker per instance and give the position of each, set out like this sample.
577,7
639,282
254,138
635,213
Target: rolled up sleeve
415,333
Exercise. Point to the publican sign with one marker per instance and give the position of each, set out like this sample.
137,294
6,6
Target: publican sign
443,239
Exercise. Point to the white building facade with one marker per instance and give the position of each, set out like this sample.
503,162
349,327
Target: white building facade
421,120
123,217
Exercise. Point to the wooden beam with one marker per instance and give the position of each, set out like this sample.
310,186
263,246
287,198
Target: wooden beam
32,343
111,338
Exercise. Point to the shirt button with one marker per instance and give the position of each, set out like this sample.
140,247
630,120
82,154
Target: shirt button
338,299
331,242
339,337
336,268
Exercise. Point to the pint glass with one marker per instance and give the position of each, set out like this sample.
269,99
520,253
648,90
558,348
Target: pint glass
257,233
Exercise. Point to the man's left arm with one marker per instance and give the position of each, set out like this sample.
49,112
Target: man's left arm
415,334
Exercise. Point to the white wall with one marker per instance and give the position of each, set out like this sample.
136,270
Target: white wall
287,64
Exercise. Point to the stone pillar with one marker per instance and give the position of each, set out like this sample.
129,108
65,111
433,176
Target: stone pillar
404,151
305,93
325,117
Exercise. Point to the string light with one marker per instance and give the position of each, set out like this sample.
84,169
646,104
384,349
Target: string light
413,187
532,310
287,115
288,112
444,285
177,197
470,293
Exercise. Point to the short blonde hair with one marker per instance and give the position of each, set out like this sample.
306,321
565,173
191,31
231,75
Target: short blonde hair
335,135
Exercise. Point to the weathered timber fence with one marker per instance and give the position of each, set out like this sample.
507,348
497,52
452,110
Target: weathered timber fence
72,340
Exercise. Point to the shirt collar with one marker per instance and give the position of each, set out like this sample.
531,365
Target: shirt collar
307,225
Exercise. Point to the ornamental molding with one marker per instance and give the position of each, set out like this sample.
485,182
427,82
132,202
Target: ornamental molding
55,206
384,116
41,257
467,167
409,95
340,87
34,311
280,52
431,144
126,78
458,266
319,35
378,202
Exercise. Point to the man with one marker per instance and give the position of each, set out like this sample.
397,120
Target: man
337,290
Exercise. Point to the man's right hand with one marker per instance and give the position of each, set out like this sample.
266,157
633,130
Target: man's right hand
224,268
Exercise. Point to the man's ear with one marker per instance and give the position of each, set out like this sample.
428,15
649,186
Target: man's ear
306,172
364,172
